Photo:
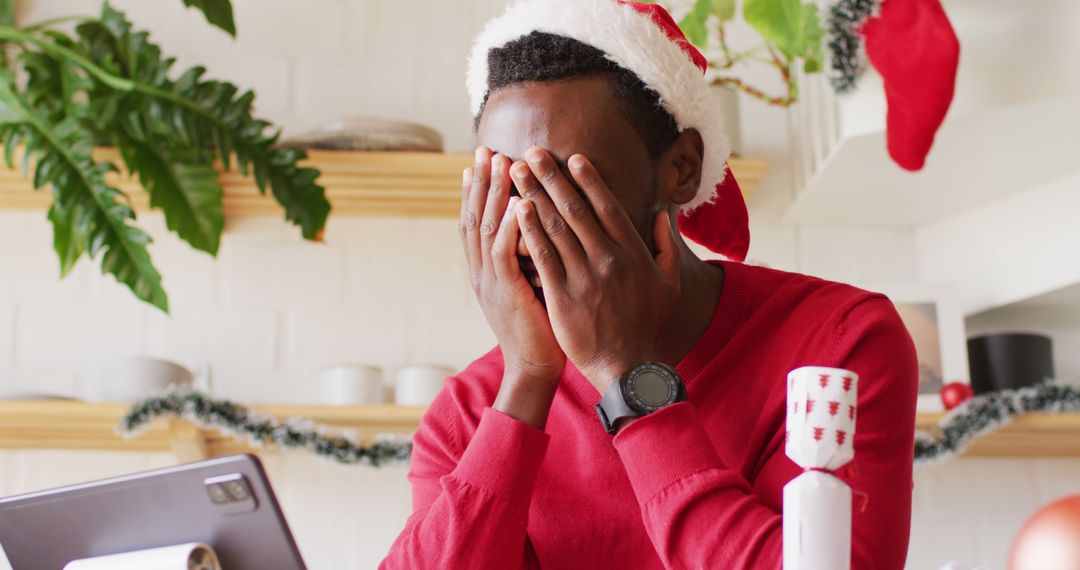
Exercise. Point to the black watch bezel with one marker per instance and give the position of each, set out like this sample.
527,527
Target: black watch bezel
676,391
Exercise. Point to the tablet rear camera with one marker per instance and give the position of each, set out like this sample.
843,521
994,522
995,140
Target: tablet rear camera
231,492
237,490
218,494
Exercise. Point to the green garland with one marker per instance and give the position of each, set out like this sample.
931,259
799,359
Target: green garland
988,412
845,44
977,416
240,422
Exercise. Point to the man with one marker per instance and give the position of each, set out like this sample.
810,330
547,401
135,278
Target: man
592,139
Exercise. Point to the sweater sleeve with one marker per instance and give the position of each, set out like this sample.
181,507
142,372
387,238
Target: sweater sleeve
470,507
700,513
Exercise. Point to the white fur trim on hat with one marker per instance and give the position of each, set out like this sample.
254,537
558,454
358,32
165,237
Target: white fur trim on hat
635,43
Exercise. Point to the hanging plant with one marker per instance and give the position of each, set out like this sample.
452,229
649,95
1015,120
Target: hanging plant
791,35
62,94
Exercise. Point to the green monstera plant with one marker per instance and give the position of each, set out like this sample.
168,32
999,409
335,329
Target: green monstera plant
106,84
791,34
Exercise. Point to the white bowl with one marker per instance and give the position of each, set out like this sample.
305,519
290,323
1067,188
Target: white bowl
133,378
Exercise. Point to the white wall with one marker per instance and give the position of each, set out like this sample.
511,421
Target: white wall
271,310
987,251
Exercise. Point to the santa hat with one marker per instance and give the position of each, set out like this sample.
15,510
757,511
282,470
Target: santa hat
645,40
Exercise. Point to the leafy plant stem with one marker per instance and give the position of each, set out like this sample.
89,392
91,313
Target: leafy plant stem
750,52
7,33
53,22
775,60
785,72
728,60
113,81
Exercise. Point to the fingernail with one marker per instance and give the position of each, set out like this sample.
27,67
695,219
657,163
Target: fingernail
519,170
533,155
577,162
480,154
465,175
496,164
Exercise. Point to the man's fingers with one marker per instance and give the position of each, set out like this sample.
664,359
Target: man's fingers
474,209
573,207
611,215
466,186
504,257
543,252
495,206
549,220
463,229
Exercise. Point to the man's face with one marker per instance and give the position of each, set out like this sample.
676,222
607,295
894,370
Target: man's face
574,116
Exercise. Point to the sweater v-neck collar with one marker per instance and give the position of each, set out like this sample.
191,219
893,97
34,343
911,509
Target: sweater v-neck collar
727,318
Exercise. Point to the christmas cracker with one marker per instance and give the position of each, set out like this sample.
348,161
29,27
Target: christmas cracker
821,410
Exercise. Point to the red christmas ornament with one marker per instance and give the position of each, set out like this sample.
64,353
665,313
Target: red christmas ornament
955,393
1050,539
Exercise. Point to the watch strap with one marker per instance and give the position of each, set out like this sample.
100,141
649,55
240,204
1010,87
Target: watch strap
613,407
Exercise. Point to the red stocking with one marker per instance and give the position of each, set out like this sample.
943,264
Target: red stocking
914,48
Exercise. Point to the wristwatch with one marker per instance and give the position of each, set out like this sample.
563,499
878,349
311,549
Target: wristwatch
642,390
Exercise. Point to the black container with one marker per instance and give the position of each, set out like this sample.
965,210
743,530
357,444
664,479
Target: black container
1013,360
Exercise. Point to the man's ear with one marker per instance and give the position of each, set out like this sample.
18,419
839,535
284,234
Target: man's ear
679,166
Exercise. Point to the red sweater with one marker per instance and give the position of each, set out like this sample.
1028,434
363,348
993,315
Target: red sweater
695,485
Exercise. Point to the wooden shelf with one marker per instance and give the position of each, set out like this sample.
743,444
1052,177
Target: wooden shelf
1031,435
408,184
87,426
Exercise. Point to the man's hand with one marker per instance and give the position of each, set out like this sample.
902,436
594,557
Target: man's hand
489,233
607,295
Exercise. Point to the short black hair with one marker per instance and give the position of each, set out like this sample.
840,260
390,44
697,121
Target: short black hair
544,57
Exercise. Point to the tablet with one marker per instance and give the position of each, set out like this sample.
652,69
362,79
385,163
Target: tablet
225,502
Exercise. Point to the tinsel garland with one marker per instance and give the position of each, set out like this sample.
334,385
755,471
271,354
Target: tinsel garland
988,412
240,422
980,415
845,44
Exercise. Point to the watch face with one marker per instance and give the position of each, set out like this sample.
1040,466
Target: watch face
652,389
651,386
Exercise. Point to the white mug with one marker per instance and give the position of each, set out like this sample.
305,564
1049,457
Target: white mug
351,384
418,385
133,378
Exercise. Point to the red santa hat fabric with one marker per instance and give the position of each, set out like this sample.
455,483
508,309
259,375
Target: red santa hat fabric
644,39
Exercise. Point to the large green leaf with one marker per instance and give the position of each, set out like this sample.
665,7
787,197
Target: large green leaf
7,12
793,27
195,113
89,216
217,12
109,84
69,234
9,116
813,37
724,9
185,188
693,24
55,88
